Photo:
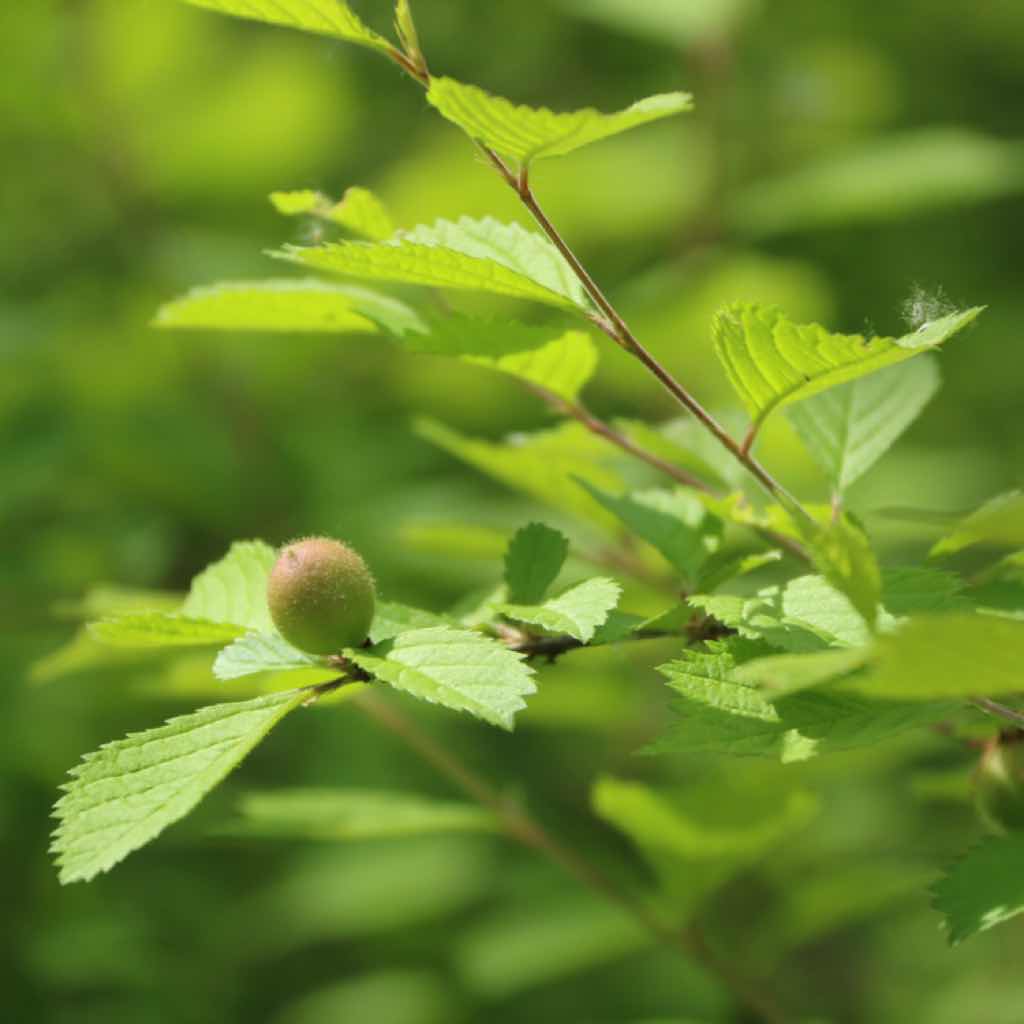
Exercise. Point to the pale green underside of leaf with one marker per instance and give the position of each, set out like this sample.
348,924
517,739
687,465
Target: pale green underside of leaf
359,211
673,522
695,843
260,652
849,428
772,362
557,360
270,306
528,133
999,522
234,589
502,259
353,814
126,793
534,559
324,17
947,656
156,630
724,714
982,890
459,669
544,465
578,612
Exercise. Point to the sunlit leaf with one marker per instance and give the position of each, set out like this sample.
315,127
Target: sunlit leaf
578,612
534,559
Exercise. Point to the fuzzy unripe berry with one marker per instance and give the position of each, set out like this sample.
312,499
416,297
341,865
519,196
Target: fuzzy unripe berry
999,786
321,596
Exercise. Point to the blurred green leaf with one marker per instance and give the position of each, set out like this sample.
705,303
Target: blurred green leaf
391,620
260,652
534,559
849,428
999,521
842,552
155,630
125,794
358,211
983,889
456,668
667,21
528,133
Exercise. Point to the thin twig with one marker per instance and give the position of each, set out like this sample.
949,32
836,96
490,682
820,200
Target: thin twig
993,707
520,826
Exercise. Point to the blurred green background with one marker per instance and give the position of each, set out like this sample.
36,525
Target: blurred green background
843,157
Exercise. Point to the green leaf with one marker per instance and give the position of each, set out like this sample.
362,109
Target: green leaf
533,561
560,361
260,652
234,590
544,465
772,362
695,840
849,428
323,17
282,305
843,554
998,522
527,133
946,656
674,522
984,889
783,674
502,259
724,712
459,669
126,793
725,566
353,814
391,620
405,26
359,211
911,590
578,612
156,630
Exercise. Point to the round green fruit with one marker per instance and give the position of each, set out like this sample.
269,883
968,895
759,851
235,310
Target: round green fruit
321,596
999,787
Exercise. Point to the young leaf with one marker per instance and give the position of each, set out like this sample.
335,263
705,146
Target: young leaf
157,630
998,522
533,561
260,652
280,305
578,612
673,522
849,428
324,17
353,814
544,465
457,668
559,361
359,211
695,841
772,362
527,133
982,890
502,259
126,793
234,590
762,616
946,656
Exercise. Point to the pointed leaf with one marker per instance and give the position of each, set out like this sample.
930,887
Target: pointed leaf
998,522
673,522
578,612
260,652
234,590
324,17
984,889
849,428
533,561
503,259
125,794
527,133
457,668
772,362
353,814
157,630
